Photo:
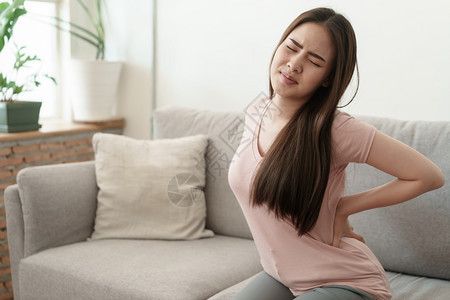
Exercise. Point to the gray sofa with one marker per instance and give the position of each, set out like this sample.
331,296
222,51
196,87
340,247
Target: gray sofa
51,211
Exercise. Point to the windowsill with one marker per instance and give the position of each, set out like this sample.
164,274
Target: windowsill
52,128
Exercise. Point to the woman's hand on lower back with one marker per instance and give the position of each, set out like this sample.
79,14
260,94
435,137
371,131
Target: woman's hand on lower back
343,228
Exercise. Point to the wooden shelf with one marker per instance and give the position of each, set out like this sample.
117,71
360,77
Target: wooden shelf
52,128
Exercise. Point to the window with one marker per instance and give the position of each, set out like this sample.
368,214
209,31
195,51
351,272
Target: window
40,39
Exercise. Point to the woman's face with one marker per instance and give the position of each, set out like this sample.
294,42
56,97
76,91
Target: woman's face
303,62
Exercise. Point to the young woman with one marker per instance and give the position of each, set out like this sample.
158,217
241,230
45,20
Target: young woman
290,180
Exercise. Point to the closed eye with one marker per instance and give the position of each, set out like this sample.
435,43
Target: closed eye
311,53
291,49
317,65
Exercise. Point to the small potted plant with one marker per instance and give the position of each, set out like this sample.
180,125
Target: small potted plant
93,83
17,115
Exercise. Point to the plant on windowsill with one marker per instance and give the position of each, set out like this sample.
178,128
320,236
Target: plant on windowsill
93,83
17,115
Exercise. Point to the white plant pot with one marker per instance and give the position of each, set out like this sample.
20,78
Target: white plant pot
93,89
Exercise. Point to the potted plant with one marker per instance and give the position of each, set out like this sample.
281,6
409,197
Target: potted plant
17,115
93,83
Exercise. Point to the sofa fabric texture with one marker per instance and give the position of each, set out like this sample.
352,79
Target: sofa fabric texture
42,210
51,213
403,286
150,189
156,269
413,231
224,130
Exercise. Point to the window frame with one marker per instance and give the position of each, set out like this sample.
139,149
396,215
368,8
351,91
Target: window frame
62,110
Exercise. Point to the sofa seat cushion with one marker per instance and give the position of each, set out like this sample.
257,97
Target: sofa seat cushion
138,269
403,287
411,287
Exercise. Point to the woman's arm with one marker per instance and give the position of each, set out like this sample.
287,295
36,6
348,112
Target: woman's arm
415,174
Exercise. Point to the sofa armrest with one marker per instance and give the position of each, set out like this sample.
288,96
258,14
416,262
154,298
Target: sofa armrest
58,205
14,223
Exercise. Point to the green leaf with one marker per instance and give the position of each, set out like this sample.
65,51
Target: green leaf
17,90
51,78
11,84
3,81
9,14
88,13
78,27
76,34
3,6
95,38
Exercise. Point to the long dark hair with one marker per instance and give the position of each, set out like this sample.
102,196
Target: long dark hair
293,175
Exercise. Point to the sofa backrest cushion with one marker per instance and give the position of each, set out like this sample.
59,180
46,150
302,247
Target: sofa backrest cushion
412,237
224,129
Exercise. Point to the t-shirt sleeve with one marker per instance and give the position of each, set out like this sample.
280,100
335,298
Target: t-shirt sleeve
352,139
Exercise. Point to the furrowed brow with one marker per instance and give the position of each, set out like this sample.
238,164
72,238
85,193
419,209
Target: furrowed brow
309,52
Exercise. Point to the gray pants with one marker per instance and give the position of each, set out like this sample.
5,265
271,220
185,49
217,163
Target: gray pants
265,287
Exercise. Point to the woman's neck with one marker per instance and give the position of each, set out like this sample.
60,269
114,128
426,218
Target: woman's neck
287,107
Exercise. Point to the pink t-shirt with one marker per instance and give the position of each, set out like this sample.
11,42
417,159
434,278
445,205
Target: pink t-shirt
306,262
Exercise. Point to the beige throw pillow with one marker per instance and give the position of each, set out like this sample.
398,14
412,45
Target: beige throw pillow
150,189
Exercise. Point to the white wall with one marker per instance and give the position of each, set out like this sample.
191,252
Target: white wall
129,34
129,38
215,54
